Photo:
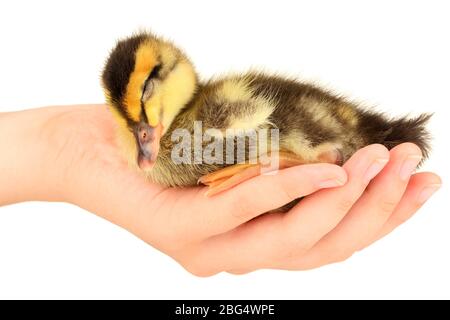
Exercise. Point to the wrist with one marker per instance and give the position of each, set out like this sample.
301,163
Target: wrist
29,169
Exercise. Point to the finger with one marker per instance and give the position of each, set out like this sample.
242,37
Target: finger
265,241
420,188
369,213
319,213
259,195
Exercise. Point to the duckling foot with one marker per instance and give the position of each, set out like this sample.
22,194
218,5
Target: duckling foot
231,176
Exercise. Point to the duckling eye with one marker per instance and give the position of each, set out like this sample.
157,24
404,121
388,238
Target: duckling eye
149,84
147,91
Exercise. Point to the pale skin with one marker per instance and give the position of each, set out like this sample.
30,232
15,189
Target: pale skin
68,154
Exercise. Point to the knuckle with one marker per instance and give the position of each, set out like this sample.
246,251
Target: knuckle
386,207
286,190
344,204
293,252
291,247
240,206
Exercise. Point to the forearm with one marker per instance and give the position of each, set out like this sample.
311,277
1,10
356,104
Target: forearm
25,173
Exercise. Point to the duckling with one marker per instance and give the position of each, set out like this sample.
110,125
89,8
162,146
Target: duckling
155,96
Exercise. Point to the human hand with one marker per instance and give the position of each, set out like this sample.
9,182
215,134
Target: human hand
228,232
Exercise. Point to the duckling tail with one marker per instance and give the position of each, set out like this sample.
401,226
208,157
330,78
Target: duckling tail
392,132
410,130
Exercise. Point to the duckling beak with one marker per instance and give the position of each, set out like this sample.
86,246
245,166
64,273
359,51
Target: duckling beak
148,138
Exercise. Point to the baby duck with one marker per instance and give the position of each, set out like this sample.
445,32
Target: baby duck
155,94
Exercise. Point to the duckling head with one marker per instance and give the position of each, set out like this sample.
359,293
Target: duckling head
147,81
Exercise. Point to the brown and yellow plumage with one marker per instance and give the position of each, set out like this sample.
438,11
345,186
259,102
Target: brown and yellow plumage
312,122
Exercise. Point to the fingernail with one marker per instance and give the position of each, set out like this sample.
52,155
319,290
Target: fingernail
331,183
409,165
427,192
374,169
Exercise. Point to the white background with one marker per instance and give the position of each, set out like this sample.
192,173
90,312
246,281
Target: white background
392,54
